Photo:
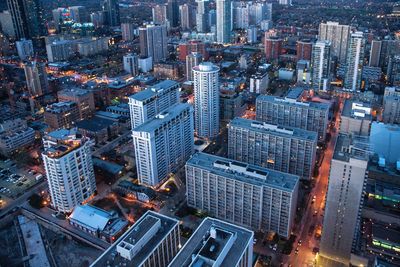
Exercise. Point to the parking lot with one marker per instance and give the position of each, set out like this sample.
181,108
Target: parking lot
14,181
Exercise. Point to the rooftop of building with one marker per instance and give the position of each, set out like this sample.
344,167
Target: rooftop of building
244,172
285,131
120,108
63,141
73,92
295,92
385,141
60,107
136,235
162,118
357,109
211,240
111,167
91,216
289,101
206,67
347,146
154,90
94,124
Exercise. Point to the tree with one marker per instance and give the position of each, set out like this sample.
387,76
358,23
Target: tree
36,201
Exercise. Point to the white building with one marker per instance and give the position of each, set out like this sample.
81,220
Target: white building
131,64
145,64
354,62
285,2
153,241
68,163
259,82
192,60
391,105
146,104
24,49
206,100
217,243
338,35
202,16
224,21
343,200
159,13
320,64
243,194
163,144
356,118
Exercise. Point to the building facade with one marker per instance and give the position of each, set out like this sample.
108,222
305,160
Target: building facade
310,116
163,144
153,42
243,194
224,21
83,98
285,149
354,62
338,35
61,115
131,64
206,100
146,104
67,159
36,78
320,65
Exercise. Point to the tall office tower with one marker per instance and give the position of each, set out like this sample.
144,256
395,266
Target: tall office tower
111,8
192,46
146,104
375,53
224,21
389,49
159,14
343,200
79,14
186,13
24,49
391,105
83,98
27,18
232,246
173,13
393,70
131,64
192,60
202,16
206,100
240,15
304,49
285,149
153,241
61,115
251,34
36,78
285,2
212,18
128,31
68,163
311,116
354,62
153,42
338,35
320,65
163,144
273,47
6,24
244,194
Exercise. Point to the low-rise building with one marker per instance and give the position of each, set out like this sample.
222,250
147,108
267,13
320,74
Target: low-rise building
61,115
98,222
356,118
98,129
15,134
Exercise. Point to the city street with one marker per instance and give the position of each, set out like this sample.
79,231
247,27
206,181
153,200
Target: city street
315,209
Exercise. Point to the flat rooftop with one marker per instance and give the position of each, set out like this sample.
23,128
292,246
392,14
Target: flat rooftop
357,109
163,118
134,235
244,172
73,92
347,147
292,102
63,141
154,90
218,236
94,124
289,132
61,107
